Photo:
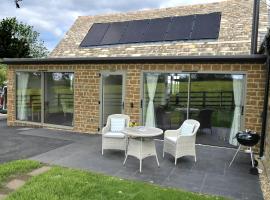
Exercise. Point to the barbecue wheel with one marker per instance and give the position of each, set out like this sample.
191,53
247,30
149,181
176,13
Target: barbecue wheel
253,171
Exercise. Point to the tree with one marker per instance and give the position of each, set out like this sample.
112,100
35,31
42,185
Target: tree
19,40
3,74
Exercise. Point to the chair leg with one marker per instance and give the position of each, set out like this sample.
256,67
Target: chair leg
163,149
102,151
195,158
125,160
157,160
175,161
140,165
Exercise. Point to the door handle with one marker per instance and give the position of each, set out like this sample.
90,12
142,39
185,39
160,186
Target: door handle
123,105
242,110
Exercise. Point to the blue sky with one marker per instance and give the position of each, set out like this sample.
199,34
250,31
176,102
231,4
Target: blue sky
52,18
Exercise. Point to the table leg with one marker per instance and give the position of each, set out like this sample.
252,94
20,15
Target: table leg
140,165
141,144
141,148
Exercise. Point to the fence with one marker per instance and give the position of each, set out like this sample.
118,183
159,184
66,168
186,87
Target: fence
202,99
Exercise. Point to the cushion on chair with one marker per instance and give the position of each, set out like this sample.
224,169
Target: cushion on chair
172,139
117,124
187,129
114,135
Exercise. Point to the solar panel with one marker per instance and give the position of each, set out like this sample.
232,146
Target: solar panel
180,28
206,26
95,35
156,30
192,27
114,33
134,31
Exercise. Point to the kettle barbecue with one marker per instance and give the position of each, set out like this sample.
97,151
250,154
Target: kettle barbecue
248,138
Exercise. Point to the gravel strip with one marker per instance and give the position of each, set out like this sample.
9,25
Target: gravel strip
265,183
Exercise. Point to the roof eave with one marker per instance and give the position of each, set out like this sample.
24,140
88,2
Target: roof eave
257,58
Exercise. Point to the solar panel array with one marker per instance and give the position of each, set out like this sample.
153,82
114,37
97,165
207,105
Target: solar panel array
191,27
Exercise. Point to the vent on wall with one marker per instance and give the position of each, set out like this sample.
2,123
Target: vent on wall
191,27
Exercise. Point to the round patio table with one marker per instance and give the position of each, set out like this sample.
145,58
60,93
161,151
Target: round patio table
141,142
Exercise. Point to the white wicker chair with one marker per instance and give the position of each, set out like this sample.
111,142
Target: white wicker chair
179,145
114,140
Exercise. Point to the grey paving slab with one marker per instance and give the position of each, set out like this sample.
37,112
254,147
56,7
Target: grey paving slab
63,135
186,179
210,174
14,146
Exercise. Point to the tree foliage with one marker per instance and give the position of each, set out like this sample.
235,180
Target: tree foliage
19,40
3,74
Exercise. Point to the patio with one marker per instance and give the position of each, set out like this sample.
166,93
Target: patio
209,175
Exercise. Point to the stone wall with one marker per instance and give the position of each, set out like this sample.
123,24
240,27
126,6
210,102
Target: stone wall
87,80
267,143
234,37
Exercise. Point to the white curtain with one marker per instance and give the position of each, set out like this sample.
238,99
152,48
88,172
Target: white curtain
237,91
71,77
22,79
151,87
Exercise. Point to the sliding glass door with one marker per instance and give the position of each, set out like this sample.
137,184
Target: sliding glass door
28,96
165,99
58,98
112,95
219,100
215,100
45,97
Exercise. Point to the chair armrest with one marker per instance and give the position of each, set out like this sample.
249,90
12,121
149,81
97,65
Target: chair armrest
171,133
105,129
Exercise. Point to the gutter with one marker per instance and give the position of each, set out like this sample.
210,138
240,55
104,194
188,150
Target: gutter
255,58
255,25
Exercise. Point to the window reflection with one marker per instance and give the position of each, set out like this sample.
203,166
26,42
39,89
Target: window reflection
58,98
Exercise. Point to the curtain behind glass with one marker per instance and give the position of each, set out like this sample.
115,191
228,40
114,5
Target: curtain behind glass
151,87
28,96
237,91
22,81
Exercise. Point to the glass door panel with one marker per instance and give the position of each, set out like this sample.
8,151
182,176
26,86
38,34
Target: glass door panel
212,97
58,98
28,96
112,95
169,95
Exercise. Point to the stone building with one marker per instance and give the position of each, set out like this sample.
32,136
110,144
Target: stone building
90,75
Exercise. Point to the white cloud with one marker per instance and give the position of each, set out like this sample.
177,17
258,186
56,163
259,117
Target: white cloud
52,18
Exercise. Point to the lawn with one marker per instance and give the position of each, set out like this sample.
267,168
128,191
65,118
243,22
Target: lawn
14,168
66,184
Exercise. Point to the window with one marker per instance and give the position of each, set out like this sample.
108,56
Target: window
215,100
55,95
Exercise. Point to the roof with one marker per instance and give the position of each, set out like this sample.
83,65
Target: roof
234,37
256,58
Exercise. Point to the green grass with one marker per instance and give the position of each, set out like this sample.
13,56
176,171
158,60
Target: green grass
13,168
68,184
